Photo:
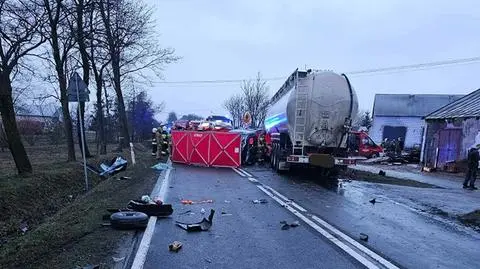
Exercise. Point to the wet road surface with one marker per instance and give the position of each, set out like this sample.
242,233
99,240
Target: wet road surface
247,236
397,226
402,232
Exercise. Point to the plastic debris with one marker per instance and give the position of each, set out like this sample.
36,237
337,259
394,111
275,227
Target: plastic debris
203,225
286,225
227,201
23,227
115,259
208,260
363,237
175,246
161,166
190,202
202,211
260,201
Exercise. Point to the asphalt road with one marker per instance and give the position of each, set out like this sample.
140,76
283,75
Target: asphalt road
251,237
401,234
401,226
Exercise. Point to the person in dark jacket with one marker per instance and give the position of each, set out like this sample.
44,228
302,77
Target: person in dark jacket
472,159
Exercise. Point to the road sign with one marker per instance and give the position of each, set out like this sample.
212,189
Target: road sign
77,89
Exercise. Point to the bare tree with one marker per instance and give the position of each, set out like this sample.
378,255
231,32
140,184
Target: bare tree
78,27
99,61
255,94
20,22
132,47
235,105
61,41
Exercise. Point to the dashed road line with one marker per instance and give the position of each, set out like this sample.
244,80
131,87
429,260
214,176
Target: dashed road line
288,201
245,172
323,232
251,179
239,172
358,251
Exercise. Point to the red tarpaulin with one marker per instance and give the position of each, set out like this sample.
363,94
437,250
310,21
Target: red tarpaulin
219,149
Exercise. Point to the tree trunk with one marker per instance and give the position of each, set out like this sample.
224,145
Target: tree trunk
67,122
100,118
125,141
10,124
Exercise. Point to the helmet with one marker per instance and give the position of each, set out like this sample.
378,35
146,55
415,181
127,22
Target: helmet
154,130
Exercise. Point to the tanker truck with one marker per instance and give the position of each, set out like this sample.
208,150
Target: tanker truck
309,121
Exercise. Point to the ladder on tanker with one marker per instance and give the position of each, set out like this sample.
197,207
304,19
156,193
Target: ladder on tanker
301,101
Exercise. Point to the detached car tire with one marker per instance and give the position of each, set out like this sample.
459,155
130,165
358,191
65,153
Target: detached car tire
129,220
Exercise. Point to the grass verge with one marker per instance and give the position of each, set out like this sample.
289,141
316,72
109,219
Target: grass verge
471,219
64,223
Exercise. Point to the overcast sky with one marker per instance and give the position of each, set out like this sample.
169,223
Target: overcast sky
237,39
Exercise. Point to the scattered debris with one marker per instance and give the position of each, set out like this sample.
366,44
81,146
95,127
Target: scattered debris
382,173
287,225
373,201
208,260
363,237
70,196
190,202
227,201
203,225
124,178
151,209
226,214
117,165
115,259
175,246
161,166
188,212
260,201
202,211
23,227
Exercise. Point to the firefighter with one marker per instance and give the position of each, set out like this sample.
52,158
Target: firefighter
165,141
154,141
159,142
261,147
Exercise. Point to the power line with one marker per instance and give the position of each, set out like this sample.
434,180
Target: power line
372,71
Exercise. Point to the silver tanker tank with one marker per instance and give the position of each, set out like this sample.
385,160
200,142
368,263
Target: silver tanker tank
330,101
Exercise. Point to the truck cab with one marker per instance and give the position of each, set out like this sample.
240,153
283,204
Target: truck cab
360,144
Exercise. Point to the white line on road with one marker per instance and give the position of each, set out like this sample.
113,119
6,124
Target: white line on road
323,232
245,172
239,172
251,179
142,251
356,244
288,201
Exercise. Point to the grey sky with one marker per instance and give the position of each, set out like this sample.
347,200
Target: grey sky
236,39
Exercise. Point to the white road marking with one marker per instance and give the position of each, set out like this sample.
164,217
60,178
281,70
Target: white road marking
142,251
239,172
356,244
288,201
323,232
245,172
252,180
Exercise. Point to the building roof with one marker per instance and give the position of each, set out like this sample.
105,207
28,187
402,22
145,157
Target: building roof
465,107
410,105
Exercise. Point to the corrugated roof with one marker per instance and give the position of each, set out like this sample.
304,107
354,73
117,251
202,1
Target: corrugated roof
410,105
465,107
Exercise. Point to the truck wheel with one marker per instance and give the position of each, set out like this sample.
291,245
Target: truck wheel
272,157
